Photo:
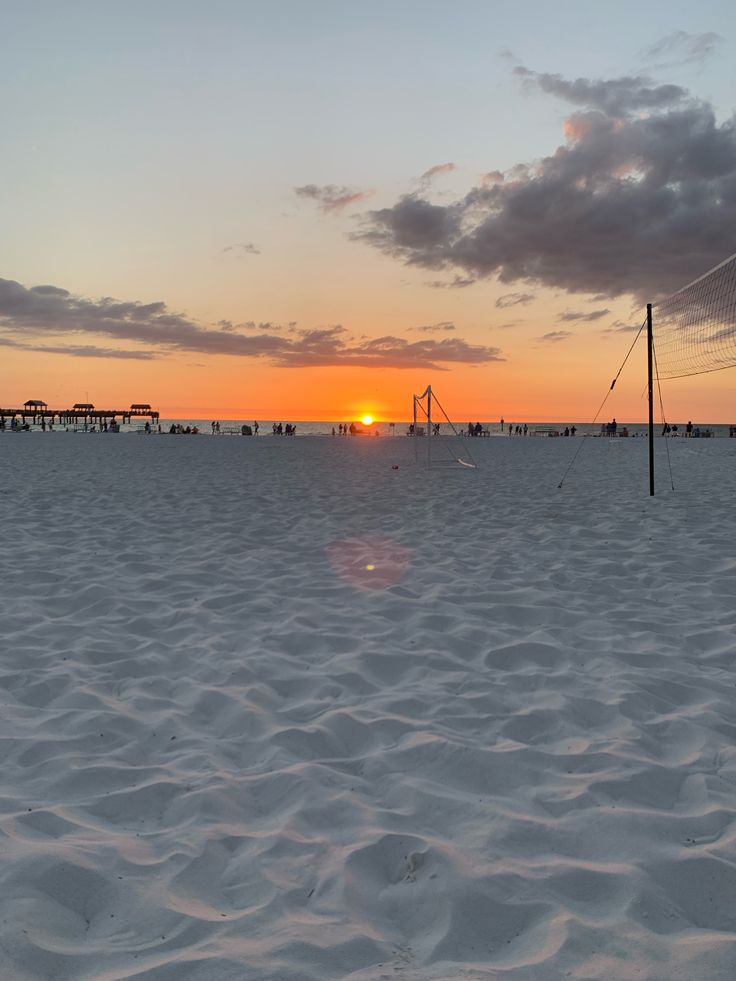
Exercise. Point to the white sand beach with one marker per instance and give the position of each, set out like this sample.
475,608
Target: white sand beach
274,710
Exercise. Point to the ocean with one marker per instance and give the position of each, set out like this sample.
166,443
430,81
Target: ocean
395,429
230,427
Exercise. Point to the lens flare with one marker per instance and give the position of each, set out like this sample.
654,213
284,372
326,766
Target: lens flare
370,563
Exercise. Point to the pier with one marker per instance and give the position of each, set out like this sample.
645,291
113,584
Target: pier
37,412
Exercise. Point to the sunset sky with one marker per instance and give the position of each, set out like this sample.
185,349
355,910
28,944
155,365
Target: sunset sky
310,210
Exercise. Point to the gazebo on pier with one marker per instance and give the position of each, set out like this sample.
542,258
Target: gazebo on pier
35,407
86,412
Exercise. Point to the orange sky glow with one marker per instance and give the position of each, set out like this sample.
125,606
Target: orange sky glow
546,387
305,237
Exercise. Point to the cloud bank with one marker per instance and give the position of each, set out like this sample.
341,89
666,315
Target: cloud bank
29,315
639,199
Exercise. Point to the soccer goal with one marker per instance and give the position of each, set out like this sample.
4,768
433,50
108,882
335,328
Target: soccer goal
436,439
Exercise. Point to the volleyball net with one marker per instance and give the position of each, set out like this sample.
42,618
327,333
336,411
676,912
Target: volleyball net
695,328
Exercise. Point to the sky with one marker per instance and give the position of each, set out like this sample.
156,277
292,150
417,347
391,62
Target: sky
292,210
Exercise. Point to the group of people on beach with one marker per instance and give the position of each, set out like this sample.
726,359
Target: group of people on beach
17,424
280,430
612,429
245,429
691,431
515,429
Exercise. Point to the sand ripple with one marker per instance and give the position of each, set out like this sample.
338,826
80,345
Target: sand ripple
276,710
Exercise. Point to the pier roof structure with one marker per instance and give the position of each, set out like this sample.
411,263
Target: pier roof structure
37,411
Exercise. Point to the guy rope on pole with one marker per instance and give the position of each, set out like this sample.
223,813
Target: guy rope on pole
650,387
600,407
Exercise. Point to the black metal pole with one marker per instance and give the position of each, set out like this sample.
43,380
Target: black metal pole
650,381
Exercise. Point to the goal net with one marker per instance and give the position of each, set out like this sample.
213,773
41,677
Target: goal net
436,438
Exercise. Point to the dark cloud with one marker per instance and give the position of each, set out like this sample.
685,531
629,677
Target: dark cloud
555,336
332,197
50,309
414,230
583,317
49,291
514,299
28,314
242,248
639,200
681,48
443,327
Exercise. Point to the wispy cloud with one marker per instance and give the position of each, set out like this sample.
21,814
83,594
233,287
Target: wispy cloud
456,283
514,300
584,317
242,248
28,315
427,178
621,327
555,336
262,326
332,197
443,326
681,48
81,350
445,168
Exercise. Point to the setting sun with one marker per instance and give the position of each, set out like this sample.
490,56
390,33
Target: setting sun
367,420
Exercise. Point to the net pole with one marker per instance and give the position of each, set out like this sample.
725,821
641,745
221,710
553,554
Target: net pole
429,425
650,383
